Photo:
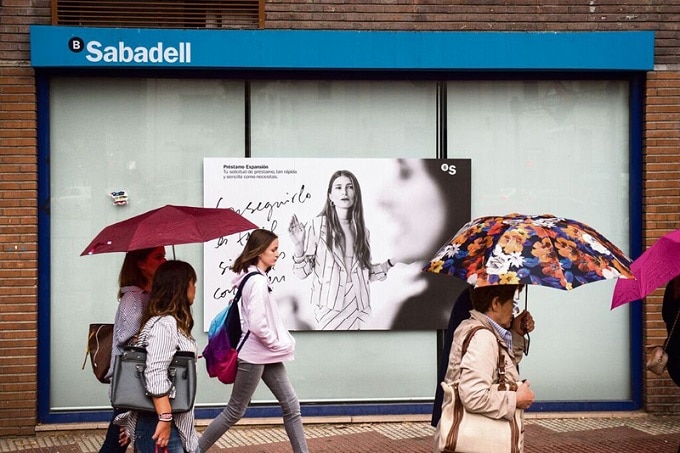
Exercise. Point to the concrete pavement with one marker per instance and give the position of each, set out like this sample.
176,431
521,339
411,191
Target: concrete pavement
579,432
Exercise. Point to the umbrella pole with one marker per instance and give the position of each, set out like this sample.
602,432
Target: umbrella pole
526,307
173,254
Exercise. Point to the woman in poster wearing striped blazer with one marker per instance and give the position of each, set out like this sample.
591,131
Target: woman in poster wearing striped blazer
334,248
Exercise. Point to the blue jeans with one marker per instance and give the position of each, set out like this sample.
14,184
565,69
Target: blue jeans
247,378
145,429
111,444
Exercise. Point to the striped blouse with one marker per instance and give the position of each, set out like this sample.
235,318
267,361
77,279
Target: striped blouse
128,316
330,277
163,339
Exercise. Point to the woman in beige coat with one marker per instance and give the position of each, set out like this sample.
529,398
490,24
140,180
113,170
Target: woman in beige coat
477,370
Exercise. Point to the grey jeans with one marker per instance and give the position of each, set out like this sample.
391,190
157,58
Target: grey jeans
247,378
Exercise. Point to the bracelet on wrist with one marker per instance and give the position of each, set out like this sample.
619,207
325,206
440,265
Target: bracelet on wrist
165,417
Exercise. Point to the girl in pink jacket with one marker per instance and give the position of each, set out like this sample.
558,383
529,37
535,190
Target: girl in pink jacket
265,349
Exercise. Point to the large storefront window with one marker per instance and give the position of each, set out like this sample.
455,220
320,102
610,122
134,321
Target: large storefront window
147,137
557,147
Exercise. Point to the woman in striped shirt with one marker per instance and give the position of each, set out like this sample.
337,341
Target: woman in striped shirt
167,328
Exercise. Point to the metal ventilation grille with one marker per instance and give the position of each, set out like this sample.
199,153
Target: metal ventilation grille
159,14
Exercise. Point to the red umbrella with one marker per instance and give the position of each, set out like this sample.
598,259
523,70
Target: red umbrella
168,225
658,265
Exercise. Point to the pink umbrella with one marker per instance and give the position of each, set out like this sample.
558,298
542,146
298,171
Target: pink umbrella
168,225
658,265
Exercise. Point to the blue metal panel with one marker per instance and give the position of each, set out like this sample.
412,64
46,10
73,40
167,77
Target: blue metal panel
352,410
44,257
583,406
78,47
637,94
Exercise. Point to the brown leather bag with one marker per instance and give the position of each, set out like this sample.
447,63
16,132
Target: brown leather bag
99,344
658,357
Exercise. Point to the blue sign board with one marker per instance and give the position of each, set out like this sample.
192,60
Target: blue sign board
80,47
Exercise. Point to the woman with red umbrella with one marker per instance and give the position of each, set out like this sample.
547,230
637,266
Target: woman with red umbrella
134,282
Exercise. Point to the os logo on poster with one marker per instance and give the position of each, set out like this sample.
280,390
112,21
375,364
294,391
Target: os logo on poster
448,168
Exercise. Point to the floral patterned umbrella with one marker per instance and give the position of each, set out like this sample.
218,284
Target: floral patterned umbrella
532,250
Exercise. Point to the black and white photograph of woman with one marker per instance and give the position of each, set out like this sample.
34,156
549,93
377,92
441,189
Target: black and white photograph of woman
354,237
334,250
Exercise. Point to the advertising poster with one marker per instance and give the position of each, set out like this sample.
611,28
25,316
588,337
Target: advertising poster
354,235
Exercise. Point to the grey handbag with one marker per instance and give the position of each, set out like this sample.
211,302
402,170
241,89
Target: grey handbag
128,386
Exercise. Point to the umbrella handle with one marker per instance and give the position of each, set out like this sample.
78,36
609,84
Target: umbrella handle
527,341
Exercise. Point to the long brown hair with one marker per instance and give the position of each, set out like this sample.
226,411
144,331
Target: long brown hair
130,273
334,233
257,243
169,294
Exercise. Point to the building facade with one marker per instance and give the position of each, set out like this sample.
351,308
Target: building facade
27,362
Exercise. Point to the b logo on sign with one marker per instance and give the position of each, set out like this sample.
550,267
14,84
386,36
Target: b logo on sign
76,45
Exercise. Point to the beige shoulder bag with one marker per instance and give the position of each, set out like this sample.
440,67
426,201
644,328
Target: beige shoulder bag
462,431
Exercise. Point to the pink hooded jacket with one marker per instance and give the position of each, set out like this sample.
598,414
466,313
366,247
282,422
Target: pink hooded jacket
269,340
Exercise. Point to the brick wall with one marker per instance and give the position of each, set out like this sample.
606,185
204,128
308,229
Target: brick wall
18,166
18,252
661,207
18,218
